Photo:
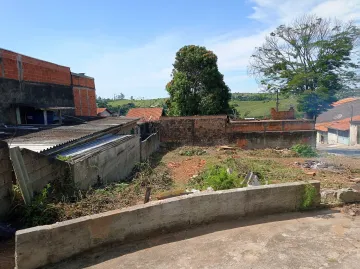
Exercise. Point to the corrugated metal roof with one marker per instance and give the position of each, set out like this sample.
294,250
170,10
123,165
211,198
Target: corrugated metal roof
45,139
93,145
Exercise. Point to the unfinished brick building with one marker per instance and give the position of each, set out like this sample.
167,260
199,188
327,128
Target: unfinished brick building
38,92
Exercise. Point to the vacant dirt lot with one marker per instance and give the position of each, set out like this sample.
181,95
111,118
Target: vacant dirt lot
277,165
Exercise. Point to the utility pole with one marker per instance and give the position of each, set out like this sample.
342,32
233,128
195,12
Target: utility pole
277,100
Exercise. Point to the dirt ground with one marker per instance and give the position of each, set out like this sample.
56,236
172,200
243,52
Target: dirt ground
7,249
342,173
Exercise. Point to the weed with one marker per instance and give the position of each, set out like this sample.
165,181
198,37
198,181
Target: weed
218,178
63,158
308,197
304,150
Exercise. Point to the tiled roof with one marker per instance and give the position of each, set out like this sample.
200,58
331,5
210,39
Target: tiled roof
343,124
343,101
100,109
146,114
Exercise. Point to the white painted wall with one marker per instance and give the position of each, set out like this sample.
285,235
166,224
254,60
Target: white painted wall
332,138
353,134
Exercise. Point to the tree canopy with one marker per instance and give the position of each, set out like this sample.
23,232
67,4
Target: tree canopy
197,87
312,58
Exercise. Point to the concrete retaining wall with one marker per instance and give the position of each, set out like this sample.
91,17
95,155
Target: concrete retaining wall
112,164
149,146
48,244
5,178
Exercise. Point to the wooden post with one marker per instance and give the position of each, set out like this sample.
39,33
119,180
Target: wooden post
147,195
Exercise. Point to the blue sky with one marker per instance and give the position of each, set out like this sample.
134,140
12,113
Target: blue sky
129,46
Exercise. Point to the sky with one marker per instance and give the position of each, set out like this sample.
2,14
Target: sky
129,46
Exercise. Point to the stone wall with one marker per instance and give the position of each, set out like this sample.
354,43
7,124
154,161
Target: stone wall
114,163
150,145
5,178
42,245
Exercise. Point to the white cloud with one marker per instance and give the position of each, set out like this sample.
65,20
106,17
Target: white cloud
144,70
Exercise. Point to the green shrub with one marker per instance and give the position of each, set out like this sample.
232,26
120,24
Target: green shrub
304,150
308,196
218,178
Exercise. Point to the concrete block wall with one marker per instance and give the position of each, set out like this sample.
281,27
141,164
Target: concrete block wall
114,163
48,244
272,140
150,145
5,179
42,169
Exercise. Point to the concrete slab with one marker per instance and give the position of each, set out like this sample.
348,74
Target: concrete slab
322,239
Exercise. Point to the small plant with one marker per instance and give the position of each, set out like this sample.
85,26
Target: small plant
63,158
218,178
304,150
308,196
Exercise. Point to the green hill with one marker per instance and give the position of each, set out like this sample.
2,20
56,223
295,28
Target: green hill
250,109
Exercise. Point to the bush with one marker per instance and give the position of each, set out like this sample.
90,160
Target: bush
218,178
304,150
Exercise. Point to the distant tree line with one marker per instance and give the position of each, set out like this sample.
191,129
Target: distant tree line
253,96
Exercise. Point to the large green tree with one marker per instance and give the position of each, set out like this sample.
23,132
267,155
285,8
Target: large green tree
197,87
312,58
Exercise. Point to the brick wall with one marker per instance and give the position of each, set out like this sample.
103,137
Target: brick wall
5,178
21,67
216,130
197,130
84,95
282,115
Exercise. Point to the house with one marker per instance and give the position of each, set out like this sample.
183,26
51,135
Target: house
146,114
334,126
103,112
37,92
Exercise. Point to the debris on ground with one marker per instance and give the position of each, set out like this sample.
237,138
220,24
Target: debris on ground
251,179
311,174
6,231
329,196
351,210
356,180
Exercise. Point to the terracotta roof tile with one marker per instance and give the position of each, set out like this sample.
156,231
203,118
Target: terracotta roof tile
345,100
100,109
146,114
343,124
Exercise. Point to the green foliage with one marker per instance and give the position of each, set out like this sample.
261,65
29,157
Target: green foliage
304,150
308,196
218,178
197,87
63,158
39,212
310,58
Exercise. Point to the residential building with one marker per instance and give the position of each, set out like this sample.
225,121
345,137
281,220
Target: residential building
34,91
146,114
103,112
334,125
